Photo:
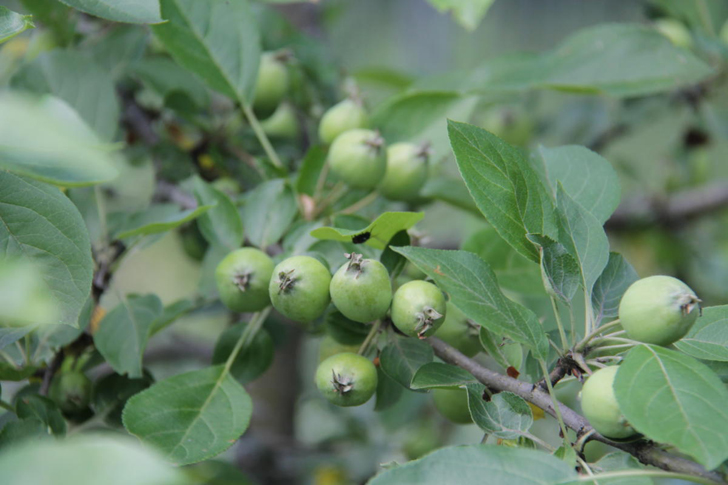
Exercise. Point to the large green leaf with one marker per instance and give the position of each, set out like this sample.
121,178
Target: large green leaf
505,187
154,220
515,273
190,417
674,399
131,11
222,223
402,357
559,270
505,415
41,225
87,459
436,374
583,236
268,212
13,23
473,288
43,409
476,464
611,285
380,231
588,178
46,140
80,82
165,77
216,39
124,332
708,339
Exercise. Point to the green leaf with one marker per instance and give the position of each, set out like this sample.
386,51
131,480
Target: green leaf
472,464
190,417
165,77
252,360
436,374
310,170
559,270
503,185
401,358
473,288
130,11
708,338
222,223
171,313
611,285
80,82
583,236
515,273
122,48
587,177
269,210
9,336
123,334
54,16
113,391
110,459
13,23
42,409
40,225
468,13
217,39
23,430
672,398
388,391
157,219
506,415
343,330
619,461
9,372
395,262
46,140
381,230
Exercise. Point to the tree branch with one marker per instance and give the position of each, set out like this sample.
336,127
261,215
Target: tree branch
645,451
167,191
673,210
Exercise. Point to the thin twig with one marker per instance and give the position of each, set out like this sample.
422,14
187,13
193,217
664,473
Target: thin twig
645,451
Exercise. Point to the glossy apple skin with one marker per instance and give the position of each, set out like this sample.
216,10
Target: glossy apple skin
658,310
362,297
307,296
343,116
453,404
411,300
406,174
358,158
271,85
259,268
353,368
600,407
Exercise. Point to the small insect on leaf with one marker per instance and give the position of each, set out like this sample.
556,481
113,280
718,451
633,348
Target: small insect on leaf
361,238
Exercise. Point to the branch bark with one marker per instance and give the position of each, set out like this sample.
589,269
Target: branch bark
645,451
670,211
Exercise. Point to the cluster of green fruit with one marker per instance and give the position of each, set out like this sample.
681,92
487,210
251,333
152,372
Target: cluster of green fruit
301,288
657,310
357,155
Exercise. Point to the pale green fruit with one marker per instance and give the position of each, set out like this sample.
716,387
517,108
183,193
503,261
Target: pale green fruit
675,31
358,157
242,279
347,379
407,170
418,308
453,404
344,116
299,288
658,310
600,405
362,292
271,85
282,124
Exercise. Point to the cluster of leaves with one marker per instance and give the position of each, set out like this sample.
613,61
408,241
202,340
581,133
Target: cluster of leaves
73,205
